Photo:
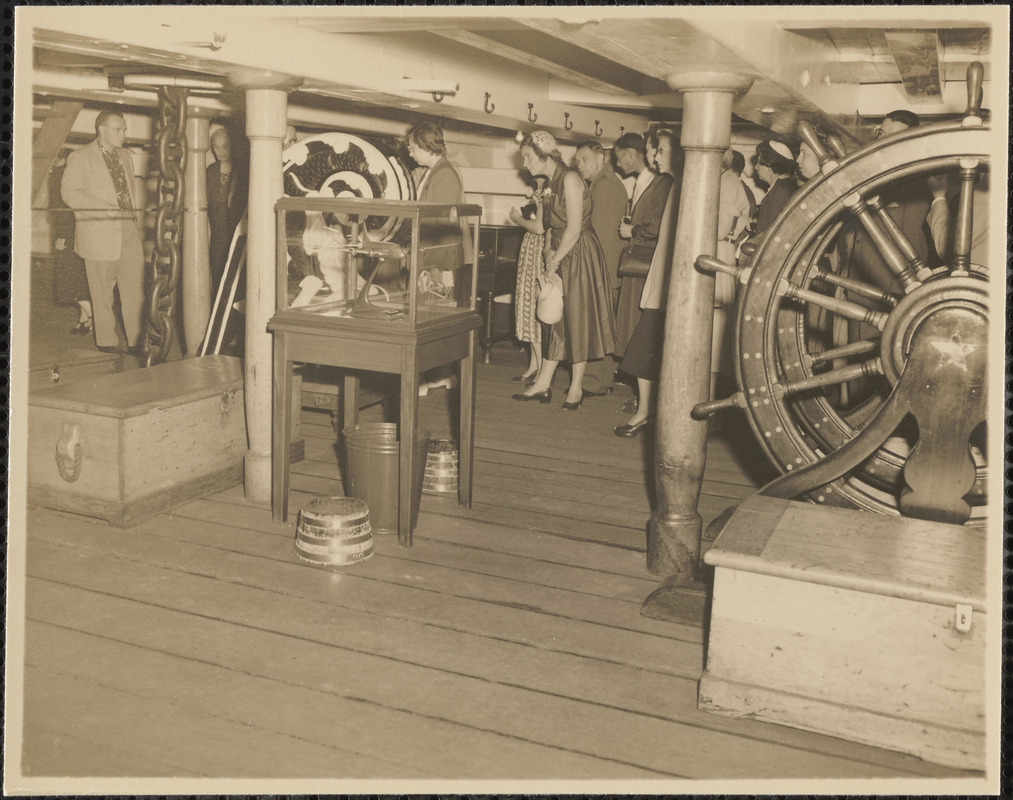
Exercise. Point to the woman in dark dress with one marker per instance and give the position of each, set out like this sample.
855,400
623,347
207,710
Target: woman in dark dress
226,190
642,358
70,281
775,164
586,330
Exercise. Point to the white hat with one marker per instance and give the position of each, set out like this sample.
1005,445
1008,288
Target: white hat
781,149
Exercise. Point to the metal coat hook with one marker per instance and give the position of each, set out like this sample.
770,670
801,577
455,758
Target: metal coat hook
489,107
622,130
438,97
597,128
532,117
566,121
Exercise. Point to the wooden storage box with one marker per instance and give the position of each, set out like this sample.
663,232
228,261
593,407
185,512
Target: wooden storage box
126,446
50,367
865,627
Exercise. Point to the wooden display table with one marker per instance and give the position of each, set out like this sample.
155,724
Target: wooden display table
865,627
376,345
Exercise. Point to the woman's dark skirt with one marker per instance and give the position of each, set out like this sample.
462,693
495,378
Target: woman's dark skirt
642,358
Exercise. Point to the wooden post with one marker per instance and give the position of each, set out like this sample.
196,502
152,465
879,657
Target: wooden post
673,538
196,259
266,109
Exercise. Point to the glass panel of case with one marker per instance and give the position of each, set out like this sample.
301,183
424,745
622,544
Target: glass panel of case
385,260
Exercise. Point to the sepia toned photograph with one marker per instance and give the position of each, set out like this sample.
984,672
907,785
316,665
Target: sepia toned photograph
557,400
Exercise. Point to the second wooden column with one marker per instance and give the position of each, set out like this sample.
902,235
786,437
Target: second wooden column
673,539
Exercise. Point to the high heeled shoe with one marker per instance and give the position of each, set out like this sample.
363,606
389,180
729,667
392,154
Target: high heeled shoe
574,406
82,327
542,397
629,431
528,379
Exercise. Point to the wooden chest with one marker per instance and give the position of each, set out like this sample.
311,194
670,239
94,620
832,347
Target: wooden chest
865,627
126,446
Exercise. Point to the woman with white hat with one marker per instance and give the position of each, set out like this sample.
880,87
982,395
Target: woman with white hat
586,330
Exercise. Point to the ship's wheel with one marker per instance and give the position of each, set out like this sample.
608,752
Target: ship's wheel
343,165
871,394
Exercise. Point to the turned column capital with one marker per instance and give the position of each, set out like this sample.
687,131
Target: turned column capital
707,81
707,99
263,79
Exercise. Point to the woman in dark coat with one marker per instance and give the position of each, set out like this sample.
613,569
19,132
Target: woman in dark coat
226,189
70,281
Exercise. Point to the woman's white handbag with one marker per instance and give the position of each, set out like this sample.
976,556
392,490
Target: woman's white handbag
550,300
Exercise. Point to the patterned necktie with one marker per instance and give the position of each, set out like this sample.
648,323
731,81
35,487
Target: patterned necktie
119,177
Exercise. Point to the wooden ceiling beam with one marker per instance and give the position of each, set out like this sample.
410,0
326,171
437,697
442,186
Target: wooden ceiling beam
863,21
793,81
363,68
403,24
487,45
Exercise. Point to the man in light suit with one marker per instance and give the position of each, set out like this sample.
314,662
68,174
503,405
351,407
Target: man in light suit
97,184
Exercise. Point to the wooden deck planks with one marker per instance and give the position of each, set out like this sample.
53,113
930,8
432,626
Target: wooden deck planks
507,643
382,591
223,596
335,735
58,746
443,674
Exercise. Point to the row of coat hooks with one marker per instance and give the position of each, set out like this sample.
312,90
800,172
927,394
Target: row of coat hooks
490,107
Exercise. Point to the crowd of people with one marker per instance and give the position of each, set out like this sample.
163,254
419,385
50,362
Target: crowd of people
603,229
612,250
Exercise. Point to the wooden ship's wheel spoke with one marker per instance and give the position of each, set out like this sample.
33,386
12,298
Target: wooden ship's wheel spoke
844,351
888,299
970,171
833,364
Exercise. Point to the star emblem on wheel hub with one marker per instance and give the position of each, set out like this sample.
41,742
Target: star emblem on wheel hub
953,351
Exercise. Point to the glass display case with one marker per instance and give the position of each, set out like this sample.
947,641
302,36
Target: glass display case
381,286
397,262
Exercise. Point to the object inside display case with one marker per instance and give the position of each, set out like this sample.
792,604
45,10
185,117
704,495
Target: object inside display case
335,266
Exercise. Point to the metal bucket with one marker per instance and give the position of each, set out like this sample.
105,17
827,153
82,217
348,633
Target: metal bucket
334,531
372,451
441,467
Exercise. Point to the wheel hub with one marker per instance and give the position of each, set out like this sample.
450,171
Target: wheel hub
958,311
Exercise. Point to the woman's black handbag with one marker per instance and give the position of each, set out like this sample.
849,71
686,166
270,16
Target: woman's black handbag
633,264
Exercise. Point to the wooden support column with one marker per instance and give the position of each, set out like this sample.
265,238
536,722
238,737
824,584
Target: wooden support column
196,259
266,109
673,538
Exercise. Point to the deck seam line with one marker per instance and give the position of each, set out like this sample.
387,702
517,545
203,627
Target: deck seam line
656,717
387,615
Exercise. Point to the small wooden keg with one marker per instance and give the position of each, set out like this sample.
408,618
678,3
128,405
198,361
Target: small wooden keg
441,467
334,531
